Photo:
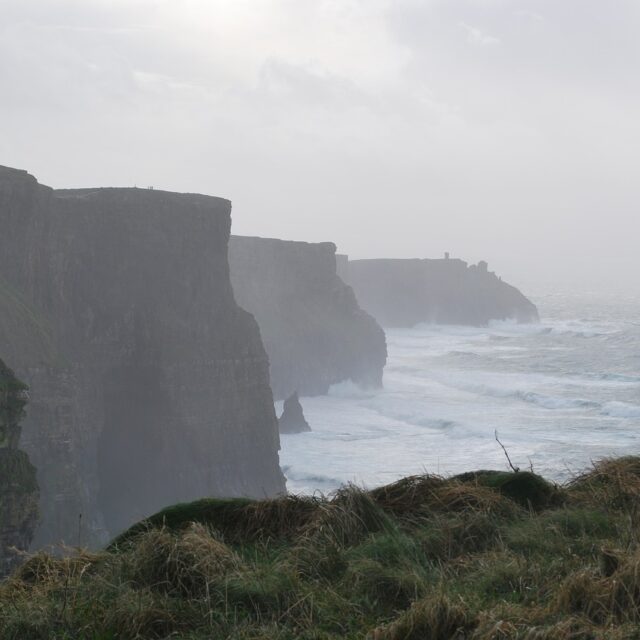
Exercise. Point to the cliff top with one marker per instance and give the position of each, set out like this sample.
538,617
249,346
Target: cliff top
276,242
399,261
11,170
128,193
8,174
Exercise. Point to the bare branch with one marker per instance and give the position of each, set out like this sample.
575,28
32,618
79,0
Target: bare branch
514,469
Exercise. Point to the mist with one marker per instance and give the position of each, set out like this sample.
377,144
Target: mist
319,319
492,129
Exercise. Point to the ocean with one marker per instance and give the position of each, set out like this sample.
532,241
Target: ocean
560,394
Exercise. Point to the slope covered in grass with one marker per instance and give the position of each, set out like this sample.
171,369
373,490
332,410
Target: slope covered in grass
482,556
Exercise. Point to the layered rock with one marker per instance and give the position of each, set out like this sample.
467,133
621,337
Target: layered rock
292,419
313,329
403,293
51,433
149,384
18,485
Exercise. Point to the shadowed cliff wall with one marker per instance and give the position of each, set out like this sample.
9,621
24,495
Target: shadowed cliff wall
313,329
157,390
18,485
403,293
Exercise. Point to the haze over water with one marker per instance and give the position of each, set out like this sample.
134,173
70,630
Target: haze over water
560,394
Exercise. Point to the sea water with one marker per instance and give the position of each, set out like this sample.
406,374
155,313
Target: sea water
559,395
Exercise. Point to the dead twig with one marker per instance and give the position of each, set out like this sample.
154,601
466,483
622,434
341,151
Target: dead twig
514,469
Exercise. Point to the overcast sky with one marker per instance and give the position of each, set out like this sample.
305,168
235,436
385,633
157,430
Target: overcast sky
505,130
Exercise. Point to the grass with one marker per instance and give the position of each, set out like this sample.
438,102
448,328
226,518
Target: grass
482,556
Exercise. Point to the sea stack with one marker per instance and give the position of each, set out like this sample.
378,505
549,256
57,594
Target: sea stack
292,419
18,485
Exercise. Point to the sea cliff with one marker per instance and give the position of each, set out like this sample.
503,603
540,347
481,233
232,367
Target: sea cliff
313,328
149,384
18,485
403,293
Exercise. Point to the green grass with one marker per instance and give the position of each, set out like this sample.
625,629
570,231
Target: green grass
469,557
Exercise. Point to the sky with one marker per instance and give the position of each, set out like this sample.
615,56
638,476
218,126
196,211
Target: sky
504,130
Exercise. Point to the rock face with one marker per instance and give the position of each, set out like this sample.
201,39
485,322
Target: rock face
149,384
18,485
292,419
403,293
314,331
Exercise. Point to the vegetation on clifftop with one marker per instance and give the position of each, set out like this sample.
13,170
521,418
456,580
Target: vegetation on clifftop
488,555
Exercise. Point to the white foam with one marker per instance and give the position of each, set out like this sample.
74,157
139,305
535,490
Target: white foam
560,393
621,410
350,389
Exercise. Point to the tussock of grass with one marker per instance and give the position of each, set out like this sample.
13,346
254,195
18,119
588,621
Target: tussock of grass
418,494
615,482
44,569
614,597
347,519
184,564
483,556
524,487
408,495
235,519
436,618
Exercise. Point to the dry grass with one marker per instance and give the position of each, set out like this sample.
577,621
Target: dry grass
236,520
423,558
455,497
185,563
43,569
613,598
351,515
417,494
613,482
435,618
408,495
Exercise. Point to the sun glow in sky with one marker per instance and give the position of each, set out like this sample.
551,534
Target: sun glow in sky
504,130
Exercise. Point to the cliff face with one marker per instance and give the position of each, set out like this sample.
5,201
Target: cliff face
18,486
403,293
151,385
313,329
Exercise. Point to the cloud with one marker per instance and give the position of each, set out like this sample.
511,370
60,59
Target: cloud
478,37
529,15
321,119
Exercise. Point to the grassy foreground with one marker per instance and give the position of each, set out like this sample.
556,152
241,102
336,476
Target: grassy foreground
481,556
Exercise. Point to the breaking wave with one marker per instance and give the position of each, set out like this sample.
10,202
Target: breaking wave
560,393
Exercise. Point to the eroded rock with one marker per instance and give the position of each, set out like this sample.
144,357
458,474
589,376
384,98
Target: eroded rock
292,419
